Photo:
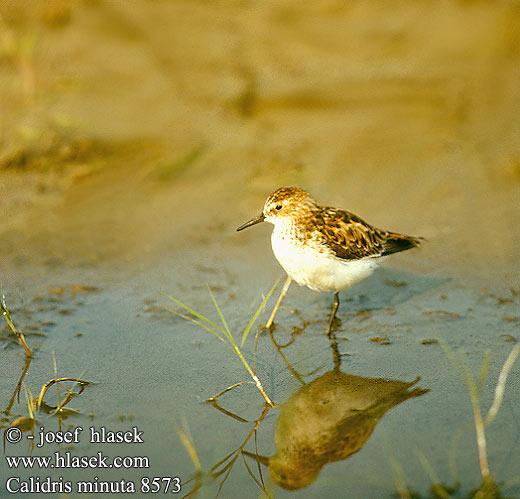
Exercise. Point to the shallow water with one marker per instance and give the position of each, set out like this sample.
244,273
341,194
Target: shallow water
408,122
151,368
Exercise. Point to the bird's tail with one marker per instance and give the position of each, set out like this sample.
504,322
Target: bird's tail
394,243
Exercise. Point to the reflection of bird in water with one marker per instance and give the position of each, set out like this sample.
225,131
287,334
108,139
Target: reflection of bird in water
328,420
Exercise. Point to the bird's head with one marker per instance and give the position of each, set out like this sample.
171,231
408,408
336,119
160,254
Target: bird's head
284,203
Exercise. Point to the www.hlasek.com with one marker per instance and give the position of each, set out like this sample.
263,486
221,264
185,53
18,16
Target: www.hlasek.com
65,460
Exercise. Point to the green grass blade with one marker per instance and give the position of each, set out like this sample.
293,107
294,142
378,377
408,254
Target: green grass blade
464,370
202,325
219,312
501,383
29,398
18,334
222,461
460,365
257,313
187,440
254,477
196,314
431,473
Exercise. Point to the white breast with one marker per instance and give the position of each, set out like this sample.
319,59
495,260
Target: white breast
316,270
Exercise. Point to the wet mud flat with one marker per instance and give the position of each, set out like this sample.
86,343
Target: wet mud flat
121,183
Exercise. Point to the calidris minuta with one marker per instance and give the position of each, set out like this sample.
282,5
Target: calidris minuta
324,248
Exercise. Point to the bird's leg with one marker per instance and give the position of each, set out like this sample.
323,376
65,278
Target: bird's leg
335,305
286,285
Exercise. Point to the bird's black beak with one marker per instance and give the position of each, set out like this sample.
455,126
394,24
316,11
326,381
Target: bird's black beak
254,221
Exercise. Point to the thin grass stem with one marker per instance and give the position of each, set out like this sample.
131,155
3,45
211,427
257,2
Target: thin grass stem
400,481
29,398
229,388
431,473
257,313
253,375
465,373
18,334
51,382
221,315
501,384
196,314
191,319
187,440
278,303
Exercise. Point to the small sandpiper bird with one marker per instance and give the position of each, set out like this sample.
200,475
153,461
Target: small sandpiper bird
324,248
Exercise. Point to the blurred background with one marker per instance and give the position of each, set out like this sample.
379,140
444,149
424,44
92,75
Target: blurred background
136,136
134,128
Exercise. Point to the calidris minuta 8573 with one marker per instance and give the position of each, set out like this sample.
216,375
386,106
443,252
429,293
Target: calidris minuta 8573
324,248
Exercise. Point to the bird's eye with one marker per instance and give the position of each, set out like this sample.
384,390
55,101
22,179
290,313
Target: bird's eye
278,207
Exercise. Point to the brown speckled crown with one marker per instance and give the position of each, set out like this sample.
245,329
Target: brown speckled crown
294,193
296,202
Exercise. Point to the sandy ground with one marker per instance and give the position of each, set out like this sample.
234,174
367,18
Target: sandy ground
135,137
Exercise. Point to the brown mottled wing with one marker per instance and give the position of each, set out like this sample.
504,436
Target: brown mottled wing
351,238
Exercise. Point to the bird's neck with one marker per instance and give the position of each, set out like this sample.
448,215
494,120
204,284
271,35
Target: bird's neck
290,229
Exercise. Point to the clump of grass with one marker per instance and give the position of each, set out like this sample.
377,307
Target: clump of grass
488,488
438,489
18,334
223,332
59,382
68,397
24,423
474,389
